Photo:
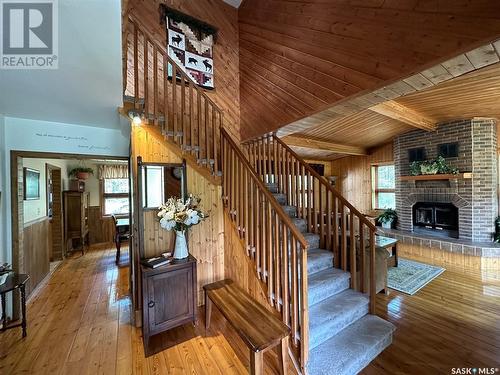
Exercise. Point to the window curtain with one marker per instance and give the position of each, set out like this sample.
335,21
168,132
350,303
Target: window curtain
113,171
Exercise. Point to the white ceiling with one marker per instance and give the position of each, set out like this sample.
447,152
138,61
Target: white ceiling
234,3
87,87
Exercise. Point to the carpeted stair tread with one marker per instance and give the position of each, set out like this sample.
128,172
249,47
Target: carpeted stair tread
290,210
272,187
312,239
281,198
318,260
332,315
352,349
301,224
326,283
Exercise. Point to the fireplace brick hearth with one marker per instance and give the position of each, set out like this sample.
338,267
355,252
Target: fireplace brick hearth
475,198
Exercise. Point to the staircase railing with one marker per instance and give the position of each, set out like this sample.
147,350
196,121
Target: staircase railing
325,210
272,241
167,97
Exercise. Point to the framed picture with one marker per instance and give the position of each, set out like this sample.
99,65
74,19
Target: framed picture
31,184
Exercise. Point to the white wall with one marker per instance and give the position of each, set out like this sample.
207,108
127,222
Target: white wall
44,136
86,88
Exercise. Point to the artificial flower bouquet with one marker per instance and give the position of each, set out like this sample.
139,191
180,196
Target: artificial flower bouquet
179,214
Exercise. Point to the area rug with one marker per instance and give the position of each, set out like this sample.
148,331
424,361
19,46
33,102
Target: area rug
410,276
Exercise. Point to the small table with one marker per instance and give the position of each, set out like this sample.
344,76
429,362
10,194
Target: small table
391,245
14,281
121,231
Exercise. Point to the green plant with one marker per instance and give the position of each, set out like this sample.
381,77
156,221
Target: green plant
75,171
415,168
388,216
433,166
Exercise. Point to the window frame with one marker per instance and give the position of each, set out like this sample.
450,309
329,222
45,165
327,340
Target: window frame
103,196
375,189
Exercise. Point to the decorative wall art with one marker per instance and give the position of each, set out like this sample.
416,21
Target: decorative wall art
31,182
190,44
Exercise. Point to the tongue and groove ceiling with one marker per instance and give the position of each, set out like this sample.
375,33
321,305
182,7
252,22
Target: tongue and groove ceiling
298,58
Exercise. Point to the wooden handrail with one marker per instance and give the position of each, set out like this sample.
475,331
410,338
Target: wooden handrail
169,98
283,216
334,191
273,242
342,229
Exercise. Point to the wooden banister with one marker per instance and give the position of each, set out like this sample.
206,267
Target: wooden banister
341,227
169,98
273,242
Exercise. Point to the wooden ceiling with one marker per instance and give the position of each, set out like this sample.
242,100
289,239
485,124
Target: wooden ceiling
297,58
476,94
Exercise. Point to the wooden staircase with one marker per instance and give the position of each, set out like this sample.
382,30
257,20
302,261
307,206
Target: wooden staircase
292,223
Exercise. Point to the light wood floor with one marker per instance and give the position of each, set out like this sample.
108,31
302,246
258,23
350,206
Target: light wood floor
79,323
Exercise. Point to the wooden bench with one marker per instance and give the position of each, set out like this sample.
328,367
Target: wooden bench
257,326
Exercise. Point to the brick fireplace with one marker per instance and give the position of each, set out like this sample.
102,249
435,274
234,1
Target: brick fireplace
475,199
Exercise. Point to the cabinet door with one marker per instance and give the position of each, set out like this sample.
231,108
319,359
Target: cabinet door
171,299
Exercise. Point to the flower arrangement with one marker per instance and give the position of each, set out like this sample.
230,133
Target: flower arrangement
179,214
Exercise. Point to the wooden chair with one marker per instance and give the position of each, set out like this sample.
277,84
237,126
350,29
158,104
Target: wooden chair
121,234
243,313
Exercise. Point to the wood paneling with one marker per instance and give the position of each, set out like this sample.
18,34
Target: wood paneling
36,251
472,95
101,229
354,176
226,93
297,58
206,240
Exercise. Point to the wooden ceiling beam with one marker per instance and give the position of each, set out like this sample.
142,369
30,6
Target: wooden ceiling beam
404,114
293,140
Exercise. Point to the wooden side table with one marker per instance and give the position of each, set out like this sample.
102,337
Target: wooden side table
14,281
389,243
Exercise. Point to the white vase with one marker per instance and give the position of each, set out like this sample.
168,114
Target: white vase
181,249
387,225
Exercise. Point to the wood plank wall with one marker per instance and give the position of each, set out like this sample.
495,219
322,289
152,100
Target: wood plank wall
226,50
36,246
101,229
354,175
297,57
206,240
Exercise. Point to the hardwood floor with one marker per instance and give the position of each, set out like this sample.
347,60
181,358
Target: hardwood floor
79,323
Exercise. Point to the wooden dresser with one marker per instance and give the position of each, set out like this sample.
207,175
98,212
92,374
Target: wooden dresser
168,298
76,218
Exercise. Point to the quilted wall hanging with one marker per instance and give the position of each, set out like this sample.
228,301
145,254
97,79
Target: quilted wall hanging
190,44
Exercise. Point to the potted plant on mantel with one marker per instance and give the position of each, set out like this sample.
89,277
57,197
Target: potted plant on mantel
431,167
179,215
388,218
81,173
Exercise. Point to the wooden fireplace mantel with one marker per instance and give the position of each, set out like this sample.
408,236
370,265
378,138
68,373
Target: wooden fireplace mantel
430,177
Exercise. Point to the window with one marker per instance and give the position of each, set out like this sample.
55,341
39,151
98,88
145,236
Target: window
448,150
115,199
383,186
416,154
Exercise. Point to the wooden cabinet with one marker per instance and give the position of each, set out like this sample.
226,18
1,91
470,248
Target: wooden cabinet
76,219
169,297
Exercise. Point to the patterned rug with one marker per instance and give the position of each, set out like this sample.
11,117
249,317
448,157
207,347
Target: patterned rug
410,276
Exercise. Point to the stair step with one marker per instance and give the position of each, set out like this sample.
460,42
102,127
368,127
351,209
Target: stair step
327,283
272,187
290,210
301,224
352,349
333,314
204,161
281,198
312,239
318,260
